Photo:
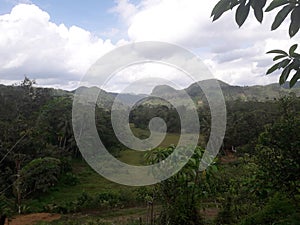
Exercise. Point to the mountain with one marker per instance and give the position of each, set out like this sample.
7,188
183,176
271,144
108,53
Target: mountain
106,99
246,93
128,99
164,90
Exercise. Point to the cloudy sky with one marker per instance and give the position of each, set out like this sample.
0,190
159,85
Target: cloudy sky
57,41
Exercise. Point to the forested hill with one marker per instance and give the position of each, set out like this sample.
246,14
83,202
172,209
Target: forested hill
245,93
42,169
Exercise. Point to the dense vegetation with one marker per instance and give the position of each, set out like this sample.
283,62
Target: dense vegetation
254,180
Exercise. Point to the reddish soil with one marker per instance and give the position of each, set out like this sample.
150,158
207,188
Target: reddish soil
228,158
210,213
32,219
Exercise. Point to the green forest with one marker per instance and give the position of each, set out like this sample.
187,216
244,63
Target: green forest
254,179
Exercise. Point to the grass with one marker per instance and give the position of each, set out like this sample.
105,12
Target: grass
136,158
125,216
170,138
133,157
90,181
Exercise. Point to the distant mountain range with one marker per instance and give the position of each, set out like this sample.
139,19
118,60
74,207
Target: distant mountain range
259,93
244,93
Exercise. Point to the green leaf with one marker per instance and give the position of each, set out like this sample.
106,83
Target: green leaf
295,55
292,49
276,3
295,78
284,63
221,7
296,64
242,13
278,57
258,6
295,22
280,17
194,162
279,65
273,68
259,15
214,168
285,74
278,51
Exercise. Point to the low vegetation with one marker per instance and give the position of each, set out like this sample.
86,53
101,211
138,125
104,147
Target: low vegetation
254,179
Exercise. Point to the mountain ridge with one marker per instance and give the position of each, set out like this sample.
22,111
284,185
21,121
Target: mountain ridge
260,93
231,92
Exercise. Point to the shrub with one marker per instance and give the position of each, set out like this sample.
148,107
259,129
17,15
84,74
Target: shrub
279,210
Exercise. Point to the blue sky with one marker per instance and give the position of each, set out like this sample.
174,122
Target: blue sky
56,41
93,15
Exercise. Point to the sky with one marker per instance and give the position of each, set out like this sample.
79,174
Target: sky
55,42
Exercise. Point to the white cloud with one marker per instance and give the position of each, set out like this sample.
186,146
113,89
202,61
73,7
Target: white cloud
142,78
30,44
125,9
234,55
59,56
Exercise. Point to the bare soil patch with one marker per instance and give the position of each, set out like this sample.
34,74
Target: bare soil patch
32,219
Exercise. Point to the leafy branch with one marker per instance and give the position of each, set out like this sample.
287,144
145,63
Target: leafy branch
292,7
290,62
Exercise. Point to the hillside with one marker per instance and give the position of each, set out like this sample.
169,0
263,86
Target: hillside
247,93
258,93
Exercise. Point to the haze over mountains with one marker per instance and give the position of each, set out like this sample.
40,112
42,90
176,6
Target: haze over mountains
246,93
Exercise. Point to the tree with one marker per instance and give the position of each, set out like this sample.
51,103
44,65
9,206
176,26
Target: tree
290,62
278,153
181,194
55,125
5,209
39,175
246,120
21,141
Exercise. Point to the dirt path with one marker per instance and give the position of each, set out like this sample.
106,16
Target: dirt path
32,219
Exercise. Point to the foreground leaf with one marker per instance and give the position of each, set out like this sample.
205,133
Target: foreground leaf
279,65
278,51
295,22
285,74
278,57
280,17
258,6
295,78
292,49
221,7
276,3
242,13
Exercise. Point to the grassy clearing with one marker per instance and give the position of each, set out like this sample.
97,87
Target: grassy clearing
170,138
136,158
90,182
132,157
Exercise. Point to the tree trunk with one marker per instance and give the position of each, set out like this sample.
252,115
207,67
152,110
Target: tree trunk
2,219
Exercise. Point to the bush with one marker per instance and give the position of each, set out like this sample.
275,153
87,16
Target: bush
40,175
6,208
279,210
101,201
69,179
